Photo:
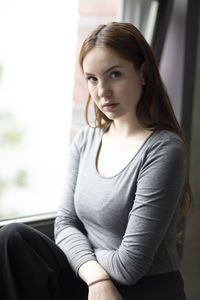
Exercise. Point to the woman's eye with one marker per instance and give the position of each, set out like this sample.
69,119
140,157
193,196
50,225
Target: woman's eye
92,79
115,74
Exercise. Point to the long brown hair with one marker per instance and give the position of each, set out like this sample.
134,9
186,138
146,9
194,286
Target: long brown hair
154,110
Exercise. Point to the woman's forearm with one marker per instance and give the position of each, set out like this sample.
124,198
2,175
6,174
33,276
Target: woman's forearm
91,271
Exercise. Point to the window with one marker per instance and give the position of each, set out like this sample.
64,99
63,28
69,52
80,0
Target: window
42,97
37,57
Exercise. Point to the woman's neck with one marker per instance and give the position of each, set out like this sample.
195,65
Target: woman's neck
126,129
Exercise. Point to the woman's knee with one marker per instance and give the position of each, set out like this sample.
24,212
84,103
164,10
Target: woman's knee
11,232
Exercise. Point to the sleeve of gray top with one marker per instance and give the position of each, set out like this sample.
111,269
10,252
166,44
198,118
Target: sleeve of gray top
69,233
160,187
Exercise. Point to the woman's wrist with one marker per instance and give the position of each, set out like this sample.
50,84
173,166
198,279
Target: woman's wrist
91,271
97,281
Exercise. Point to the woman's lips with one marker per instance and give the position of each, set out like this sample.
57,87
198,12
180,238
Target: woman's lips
110,106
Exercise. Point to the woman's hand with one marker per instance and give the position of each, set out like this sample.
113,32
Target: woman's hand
104,290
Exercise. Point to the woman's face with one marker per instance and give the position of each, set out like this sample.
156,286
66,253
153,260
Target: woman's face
113,82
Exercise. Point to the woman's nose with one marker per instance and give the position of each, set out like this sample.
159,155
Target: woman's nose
104,90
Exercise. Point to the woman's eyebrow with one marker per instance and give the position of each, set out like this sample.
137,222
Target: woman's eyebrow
111,68
106,71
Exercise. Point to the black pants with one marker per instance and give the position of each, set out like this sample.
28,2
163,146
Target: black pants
32,267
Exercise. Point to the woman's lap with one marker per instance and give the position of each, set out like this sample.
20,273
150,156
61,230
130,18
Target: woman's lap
34,268
167,286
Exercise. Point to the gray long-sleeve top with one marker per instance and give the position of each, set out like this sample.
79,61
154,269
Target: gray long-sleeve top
126,222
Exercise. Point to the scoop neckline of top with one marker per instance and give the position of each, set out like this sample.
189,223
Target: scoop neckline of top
127,165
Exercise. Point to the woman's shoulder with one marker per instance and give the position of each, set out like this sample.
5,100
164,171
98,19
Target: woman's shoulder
168,137
87,132
167,141
86,135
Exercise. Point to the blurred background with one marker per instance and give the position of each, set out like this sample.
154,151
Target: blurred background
43,95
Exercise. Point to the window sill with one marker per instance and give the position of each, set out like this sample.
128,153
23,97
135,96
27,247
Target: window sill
42,222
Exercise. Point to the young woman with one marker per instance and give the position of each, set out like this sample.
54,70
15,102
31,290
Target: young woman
126,189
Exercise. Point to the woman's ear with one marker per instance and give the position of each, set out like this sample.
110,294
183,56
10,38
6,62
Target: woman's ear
142,73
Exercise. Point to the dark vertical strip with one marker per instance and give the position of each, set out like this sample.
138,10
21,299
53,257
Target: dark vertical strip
162,23
191,39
